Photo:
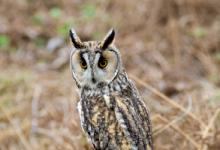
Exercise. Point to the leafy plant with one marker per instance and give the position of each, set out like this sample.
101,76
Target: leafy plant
40,42
217,56
214,78
199,32
4,41
38,18
63,30
55,12
89,10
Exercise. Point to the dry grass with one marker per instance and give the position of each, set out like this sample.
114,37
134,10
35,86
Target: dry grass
170,49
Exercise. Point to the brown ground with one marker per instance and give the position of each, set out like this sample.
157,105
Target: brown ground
170,45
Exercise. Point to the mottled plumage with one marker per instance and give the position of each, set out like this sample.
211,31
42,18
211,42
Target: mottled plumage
112,114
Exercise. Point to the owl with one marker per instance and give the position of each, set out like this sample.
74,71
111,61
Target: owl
112,114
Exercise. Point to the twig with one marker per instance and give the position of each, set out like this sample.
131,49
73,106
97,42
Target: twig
57,136
176,119
12,111
208,127
168,100
17,130
11,133
34,106
211,122
185,135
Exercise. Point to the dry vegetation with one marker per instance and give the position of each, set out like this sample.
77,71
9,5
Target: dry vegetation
170,48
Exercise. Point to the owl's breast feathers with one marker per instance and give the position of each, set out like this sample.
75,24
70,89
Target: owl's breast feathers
116,120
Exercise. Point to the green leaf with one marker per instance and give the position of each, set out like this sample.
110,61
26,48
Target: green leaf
4,41
217,56
199,32
64,29
89,11
40,42
216,96
214,78
55,12
38,19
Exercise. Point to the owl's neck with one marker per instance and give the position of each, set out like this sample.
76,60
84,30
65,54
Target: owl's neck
117,85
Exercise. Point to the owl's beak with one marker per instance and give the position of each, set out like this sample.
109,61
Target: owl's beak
94,80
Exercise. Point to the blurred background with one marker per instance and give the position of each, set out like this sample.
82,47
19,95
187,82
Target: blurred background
170,49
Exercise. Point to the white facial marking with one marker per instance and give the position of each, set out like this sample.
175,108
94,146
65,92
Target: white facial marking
92,75
107,100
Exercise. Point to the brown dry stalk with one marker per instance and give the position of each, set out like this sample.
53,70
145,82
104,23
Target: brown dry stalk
10,133
184,134
178,118
208,63
17,130
169,100
34,107
211,123
12,111
156,128
208,127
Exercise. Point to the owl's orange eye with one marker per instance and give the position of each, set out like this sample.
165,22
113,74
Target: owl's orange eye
102,62
83,64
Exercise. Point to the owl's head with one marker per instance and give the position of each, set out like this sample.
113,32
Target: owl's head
94,63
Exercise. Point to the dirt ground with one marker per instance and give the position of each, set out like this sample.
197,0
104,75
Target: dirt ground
170,49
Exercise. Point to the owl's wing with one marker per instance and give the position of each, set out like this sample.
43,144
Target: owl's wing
133,117
86,125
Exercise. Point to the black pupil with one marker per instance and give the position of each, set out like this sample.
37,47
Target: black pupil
83,63
102,62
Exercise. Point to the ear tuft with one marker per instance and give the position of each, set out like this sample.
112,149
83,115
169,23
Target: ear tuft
75,39
109,38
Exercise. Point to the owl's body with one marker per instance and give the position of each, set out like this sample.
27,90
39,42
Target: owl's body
112,114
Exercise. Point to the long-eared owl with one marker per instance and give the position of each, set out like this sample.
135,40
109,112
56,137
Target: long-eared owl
112,114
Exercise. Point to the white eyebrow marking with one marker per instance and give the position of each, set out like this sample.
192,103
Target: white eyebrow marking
107,100
97,56
86,57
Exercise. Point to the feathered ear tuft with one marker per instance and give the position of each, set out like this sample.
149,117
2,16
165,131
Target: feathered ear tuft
75,39
108,40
